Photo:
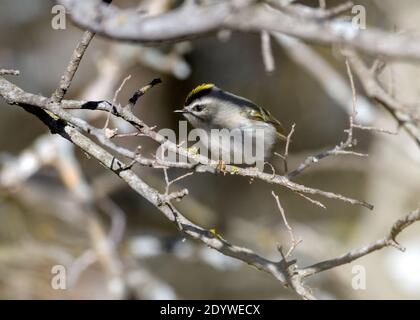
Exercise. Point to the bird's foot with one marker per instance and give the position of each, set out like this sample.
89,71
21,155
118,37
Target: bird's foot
221,166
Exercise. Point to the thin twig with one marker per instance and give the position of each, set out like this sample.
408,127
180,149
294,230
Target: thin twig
10,72
267,52
133,100
294,242
177,195
197,162
368,128
286,149
316,202
188,22
33,104
355,254
354,104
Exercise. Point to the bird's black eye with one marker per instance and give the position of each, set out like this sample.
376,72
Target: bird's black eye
198,108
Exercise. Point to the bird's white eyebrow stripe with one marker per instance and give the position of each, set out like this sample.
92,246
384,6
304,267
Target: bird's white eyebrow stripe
203,100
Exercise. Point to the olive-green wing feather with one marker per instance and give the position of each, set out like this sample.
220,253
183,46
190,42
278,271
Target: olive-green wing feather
254,112
260,114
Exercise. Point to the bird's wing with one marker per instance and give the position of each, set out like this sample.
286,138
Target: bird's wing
258,113
255,112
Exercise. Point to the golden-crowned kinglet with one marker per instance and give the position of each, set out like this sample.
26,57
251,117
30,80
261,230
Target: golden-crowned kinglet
207,107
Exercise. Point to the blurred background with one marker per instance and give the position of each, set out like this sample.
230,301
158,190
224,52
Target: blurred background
42,177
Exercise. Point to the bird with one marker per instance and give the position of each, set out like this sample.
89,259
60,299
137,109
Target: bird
249,127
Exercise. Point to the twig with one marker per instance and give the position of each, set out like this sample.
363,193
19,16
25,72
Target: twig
105,249
375,91
11,72
340,149
72,66
350,153
368,128
197,162
169,183
267,53
280,270
306,12
247,17
133,100
177,195
126,135
319,204
114,99
387,241
79,265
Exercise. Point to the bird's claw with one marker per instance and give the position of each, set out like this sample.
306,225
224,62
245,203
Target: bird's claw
221,166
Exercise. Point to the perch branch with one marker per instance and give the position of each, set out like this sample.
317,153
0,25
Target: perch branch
377,93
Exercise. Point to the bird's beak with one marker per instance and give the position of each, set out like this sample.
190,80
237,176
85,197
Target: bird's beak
181,111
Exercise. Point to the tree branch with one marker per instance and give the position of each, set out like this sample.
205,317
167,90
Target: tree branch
376,92
194,21
389,240
199,163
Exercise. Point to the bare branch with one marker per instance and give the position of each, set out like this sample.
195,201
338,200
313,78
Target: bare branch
250,16
387,241
11,72
267,53
294,242
114,99
353,110
307,12
72,66
340,149
320,69
278,270
283,271
265,17
199,163
286,149
368,128
133,100
177,195
319,204
375,91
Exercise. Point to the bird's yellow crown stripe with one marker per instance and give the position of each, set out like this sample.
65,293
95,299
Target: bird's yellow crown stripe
196,90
